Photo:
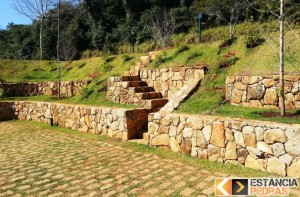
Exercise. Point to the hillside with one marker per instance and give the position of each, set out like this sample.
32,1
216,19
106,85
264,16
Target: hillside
262,59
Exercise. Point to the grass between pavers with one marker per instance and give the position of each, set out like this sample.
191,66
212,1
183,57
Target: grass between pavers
98,100
166,154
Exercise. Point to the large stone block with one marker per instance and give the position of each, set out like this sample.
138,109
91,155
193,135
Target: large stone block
274,135
161,140
218,135
276,166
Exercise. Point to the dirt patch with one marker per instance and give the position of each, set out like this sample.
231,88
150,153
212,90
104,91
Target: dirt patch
277,114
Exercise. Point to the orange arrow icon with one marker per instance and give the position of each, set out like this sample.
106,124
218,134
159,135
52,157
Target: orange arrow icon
241,187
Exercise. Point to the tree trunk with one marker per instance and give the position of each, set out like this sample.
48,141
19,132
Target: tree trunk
281,62
41,38
57,48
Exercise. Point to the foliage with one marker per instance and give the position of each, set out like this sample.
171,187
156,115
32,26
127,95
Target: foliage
2,93
252,40
181,49
228,59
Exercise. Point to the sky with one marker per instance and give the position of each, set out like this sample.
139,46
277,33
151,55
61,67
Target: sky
8,15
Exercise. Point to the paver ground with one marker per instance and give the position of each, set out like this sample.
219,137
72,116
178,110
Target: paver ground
43,162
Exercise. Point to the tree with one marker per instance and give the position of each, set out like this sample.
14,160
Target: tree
281,57
162,26
35,10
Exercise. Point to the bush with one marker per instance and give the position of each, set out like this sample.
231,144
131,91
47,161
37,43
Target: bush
2,93
85,93
253,41
194,55
108,67
181,49
228,59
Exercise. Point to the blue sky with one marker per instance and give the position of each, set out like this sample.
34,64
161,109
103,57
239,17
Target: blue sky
8,15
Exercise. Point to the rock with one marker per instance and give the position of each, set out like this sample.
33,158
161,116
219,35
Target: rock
236,96
247,130
256,92
294,170
163,129
292,146
254,151
152,127
187,132
274,135
231,151
229,135
262,146
242,154
194,123
253,163
207,132
271,97
239,139
287,159
240,86
259,133
174,145
278,149
253,80
186,146
160,140
269,83
250,140
172,131
200,140
218,135
276,166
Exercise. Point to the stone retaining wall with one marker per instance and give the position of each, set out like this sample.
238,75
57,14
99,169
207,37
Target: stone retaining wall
68,88
117,123
169,80
262,91
265,146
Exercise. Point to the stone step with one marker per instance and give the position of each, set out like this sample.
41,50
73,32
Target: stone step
137,83
130,78
146,136
139,141
149,95
132,73
134,68
143,89
155,103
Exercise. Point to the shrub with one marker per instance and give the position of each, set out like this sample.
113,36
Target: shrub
109,59
181,49
2,93
253,41
194,55
163,58
84,93
228,59
108,67
127,58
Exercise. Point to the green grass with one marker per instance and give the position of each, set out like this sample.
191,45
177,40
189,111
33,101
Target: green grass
166,154
98,100
262,60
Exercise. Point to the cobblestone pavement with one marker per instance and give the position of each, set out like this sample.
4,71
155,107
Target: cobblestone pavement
40,162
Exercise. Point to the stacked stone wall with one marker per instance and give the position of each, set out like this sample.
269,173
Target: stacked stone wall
262,91
117,123
68,88
265,146
169,80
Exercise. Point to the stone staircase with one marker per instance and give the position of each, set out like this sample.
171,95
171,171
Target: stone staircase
134,90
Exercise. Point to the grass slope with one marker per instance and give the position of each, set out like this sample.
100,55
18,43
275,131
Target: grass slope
208,99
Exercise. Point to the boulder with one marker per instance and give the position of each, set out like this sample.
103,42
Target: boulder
264,147
250,140
294,170
256,92
287,159
218,135
278,149
186,146
174,145
231,152
239,139
271,97
253,163
187,132
292,146
160,140
207,132
276,166
274,135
